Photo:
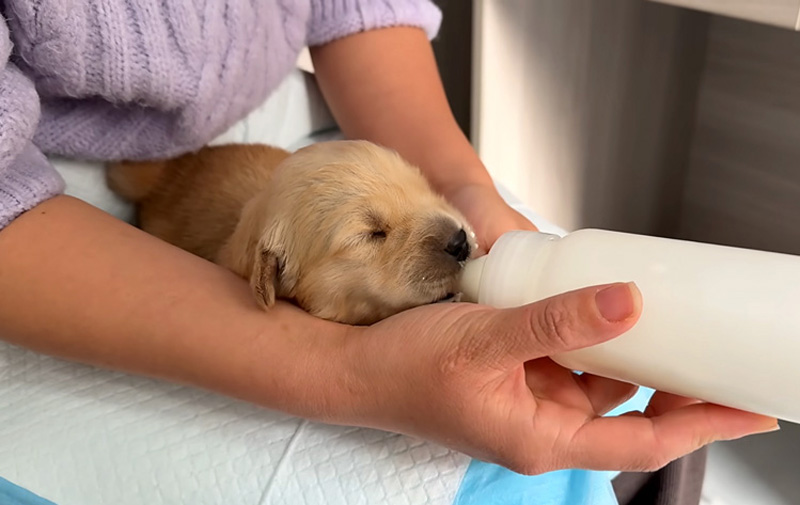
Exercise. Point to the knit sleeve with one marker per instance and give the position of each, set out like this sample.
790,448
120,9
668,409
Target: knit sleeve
26,177
333,19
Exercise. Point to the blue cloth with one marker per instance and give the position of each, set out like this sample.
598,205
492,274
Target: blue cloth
11,494
487,484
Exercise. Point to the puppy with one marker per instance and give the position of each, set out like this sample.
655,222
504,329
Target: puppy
347,229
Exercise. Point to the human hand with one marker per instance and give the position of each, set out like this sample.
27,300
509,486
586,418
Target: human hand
487,212
478,380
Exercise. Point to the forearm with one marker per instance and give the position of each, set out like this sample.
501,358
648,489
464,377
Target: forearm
384,86
77,283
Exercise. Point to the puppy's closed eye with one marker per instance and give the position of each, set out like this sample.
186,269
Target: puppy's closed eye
378,230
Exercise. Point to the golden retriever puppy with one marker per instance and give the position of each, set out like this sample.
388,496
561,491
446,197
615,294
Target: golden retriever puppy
347,229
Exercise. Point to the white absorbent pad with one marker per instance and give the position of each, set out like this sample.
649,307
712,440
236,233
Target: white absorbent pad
78,435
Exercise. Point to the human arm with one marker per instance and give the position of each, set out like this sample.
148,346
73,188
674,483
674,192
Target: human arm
82,285
79,284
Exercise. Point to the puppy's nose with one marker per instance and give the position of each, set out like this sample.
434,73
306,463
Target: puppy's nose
458,247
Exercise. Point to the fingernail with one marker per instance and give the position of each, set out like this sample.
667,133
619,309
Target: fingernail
769,429
777,427
616,303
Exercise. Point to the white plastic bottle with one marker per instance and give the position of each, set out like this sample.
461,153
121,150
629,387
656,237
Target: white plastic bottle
719,324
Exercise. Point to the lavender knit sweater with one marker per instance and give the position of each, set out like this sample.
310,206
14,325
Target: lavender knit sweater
112,79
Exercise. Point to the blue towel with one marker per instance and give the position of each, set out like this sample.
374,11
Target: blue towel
11,494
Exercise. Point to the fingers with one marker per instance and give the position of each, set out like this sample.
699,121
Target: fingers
512,220
550,381
566,322
662,403
588,393
605,394
506,220
639,443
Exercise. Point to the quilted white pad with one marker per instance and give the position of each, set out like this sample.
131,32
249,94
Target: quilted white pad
78,435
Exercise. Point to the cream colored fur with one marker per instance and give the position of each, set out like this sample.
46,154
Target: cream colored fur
347,229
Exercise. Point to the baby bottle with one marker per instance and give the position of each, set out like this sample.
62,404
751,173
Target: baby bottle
720,324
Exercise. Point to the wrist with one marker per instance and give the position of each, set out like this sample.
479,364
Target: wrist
466,193
452,176
299,366
360,389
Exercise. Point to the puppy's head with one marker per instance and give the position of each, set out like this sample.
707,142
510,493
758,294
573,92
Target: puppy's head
353,233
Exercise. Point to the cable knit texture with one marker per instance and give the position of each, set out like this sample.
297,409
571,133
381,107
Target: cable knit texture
138,79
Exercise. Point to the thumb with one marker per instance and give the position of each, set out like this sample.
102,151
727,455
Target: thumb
568,321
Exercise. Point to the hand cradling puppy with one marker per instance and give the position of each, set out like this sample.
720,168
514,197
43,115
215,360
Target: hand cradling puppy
348,230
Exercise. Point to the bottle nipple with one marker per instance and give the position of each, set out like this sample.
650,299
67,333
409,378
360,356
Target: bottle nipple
471,279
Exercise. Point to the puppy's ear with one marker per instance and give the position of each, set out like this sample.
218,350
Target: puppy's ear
266,276
255,251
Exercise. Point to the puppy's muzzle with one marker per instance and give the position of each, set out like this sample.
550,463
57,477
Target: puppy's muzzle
458,246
